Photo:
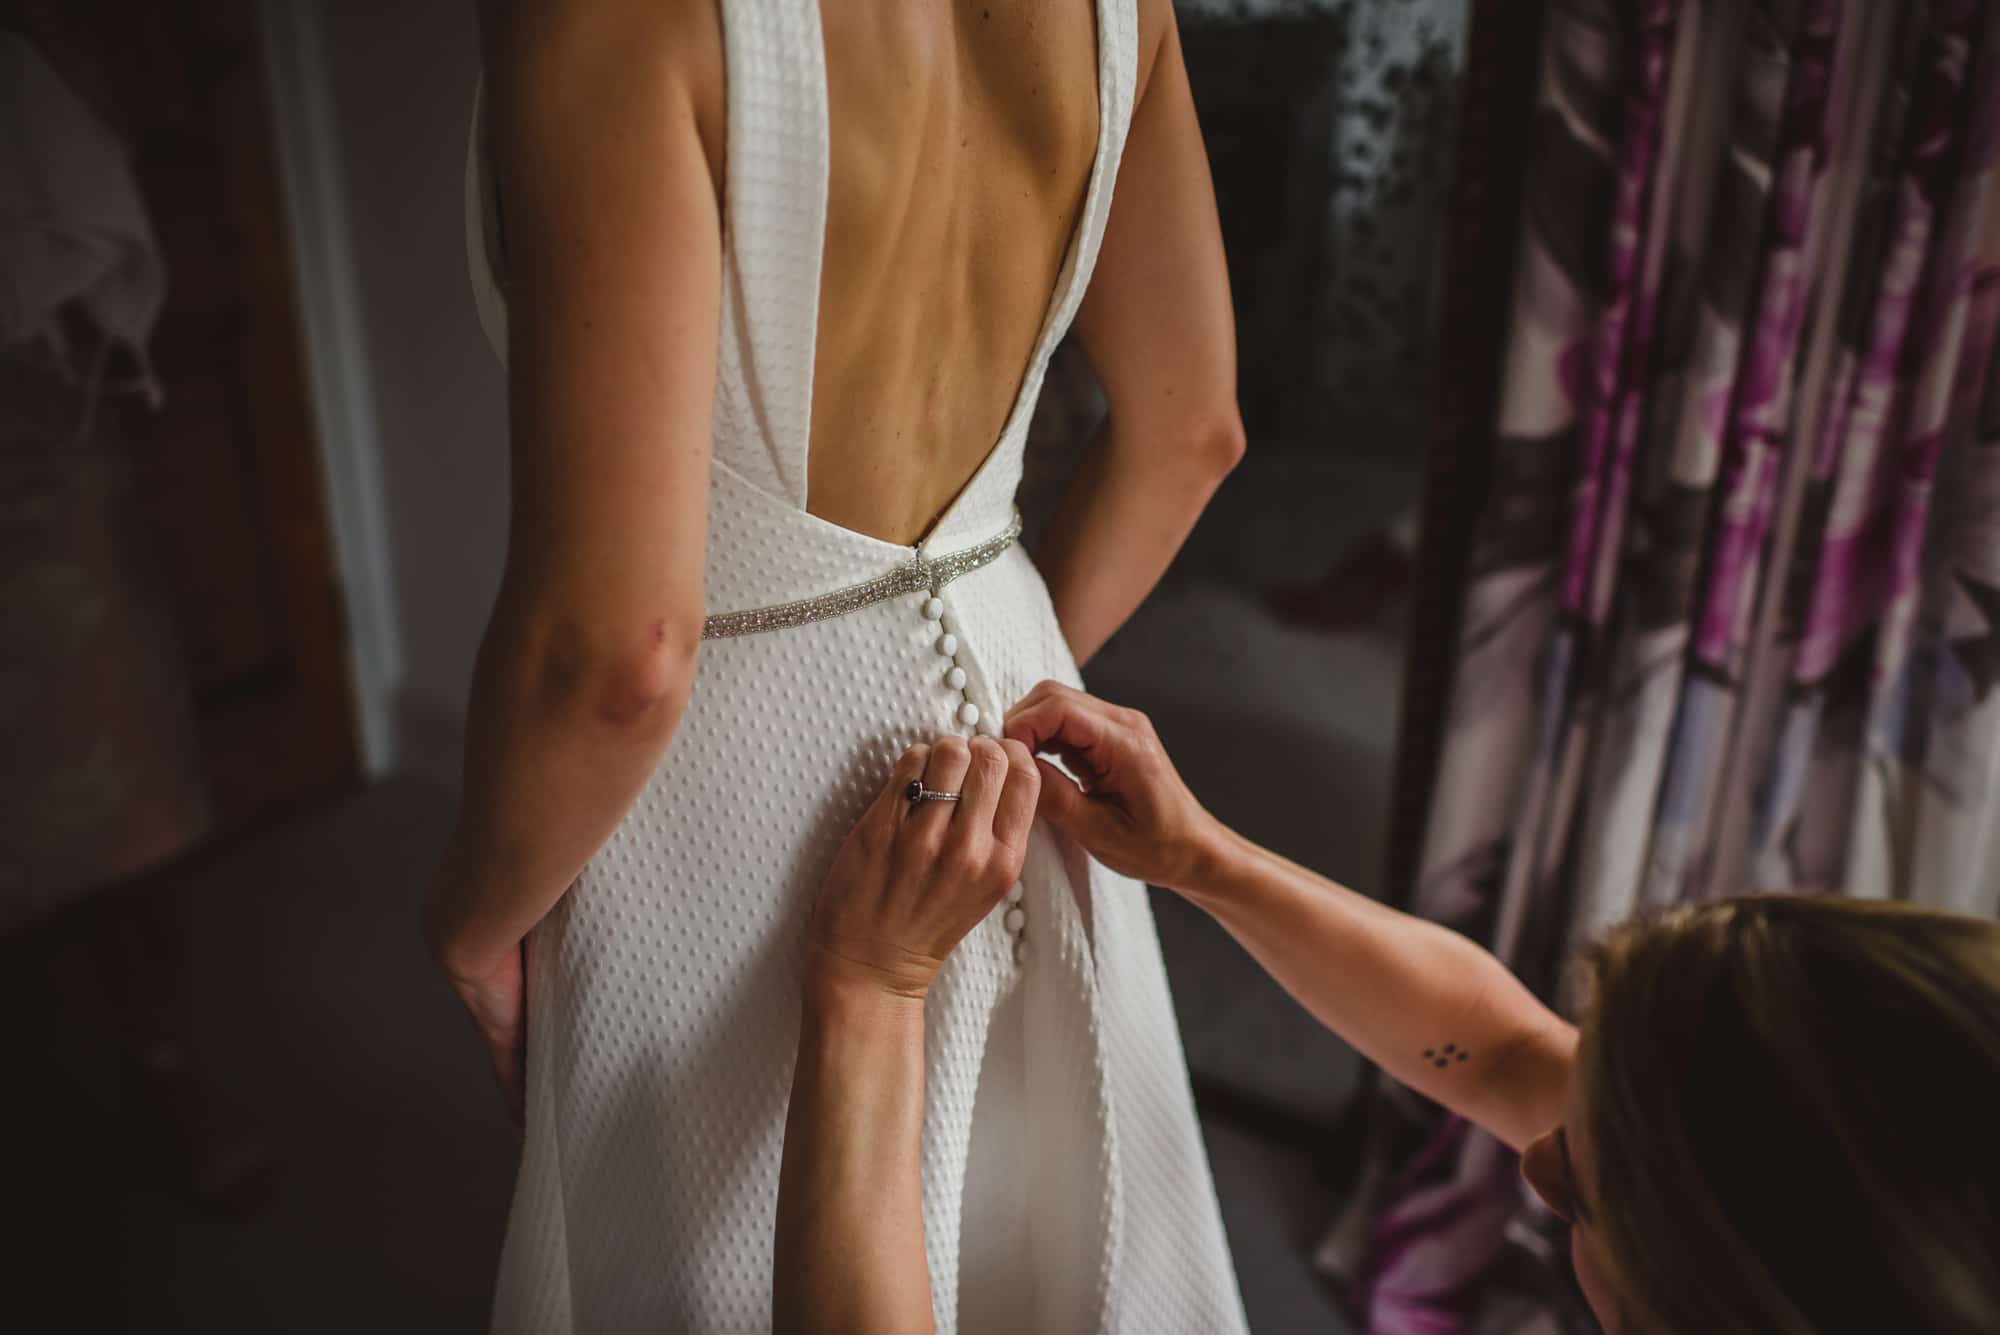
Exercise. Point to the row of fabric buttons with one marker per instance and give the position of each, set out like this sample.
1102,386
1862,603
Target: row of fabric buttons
947,647
1016,919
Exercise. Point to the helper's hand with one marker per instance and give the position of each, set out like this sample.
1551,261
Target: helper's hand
912,880
1132,812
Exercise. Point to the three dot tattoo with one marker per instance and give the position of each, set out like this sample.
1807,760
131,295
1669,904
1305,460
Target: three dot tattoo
1444,1057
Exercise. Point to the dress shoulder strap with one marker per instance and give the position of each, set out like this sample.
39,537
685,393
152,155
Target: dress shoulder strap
1118,75
774,220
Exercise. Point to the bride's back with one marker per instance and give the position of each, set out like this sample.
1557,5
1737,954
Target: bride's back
962,138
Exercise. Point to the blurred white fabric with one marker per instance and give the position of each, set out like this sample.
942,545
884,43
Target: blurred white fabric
73,228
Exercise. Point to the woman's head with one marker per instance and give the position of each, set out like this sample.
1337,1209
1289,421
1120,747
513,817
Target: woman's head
1788,1113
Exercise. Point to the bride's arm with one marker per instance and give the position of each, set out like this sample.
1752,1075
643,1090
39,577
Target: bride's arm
613,276
1157,327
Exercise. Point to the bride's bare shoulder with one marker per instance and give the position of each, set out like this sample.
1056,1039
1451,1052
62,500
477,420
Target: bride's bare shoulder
535,50
1156,19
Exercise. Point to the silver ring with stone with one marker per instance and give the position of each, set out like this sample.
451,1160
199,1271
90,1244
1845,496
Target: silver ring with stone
916,792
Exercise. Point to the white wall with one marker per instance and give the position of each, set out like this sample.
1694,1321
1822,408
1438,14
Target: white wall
398,80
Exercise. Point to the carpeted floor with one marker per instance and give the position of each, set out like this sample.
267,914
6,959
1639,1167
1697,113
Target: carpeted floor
320,1015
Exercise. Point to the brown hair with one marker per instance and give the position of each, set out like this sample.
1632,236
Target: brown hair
1795,1110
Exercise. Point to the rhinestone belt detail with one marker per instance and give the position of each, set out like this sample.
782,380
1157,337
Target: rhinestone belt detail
913,576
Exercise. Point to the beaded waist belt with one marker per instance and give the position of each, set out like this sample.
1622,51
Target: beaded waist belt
920,572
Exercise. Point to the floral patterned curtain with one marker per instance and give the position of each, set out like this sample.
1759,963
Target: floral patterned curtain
1734,613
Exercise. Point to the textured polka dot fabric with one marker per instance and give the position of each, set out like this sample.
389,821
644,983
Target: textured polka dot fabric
1064,1184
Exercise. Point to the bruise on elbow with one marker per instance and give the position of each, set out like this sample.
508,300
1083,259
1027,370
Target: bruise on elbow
634,690
627,685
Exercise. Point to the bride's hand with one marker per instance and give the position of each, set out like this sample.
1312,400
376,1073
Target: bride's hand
914,878
1132,811
493,993
498,1004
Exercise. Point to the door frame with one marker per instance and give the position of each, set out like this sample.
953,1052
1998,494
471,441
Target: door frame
341,388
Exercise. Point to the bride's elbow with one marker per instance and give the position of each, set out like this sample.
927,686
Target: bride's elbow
645,684
1203,448
630,675
647,690
1186,441
1221,442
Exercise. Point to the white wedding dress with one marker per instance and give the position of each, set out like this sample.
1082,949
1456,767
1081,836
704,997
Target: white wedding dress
1065,1188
